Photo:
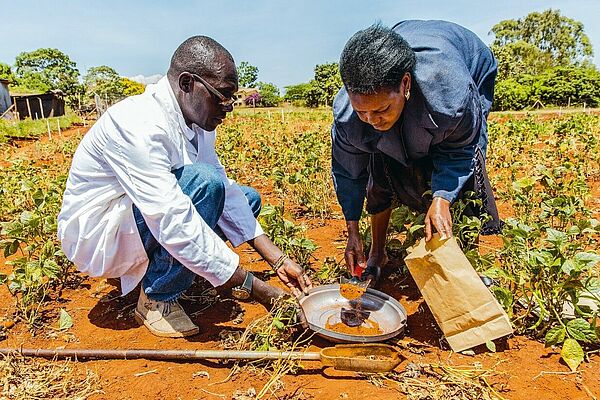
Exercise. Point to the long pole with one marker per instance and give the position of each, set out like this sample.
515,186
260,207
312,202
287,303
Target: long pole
150,354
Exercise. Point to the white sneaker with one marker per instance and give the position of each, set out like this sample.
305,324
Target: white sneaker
164,318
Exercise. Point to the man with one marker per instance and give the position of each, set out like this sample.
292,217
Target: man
411,118
148,200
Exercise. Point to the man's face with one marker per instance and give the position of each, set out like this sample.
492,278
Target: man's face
381,110
199,104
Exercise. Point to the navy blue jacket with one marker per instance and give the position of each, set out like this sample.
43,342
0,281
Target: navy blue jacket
445,118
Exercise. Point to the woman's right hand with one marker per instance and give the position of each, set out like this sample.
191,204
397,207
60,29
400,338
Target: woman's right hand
354,254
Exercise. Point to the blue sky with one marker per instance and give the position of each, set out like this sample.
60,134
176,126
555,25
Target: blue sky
285,40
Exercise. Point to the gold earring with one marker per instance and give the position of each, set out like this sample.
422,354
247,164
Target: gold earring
407,95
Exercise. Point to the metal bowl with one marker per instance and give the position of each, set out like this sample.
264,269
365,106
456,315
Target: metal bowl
324,304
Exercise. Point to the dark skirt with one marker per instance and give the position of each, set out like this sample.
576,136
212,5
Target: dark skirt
392,184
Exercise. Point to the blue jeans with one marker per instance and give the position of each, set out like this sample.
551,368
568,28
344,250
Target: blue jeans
166,278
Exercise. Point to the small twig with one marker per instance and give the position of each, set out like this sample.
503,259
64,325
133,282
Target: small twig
553,373
233,371
588,391
152,371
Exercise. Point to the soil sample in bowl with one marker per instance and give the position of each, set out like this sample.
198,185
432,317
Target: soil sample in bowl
351,291
354,316
368,328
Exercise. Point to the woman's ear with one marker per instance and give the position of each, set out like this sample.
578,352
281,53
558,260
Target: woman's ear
406,81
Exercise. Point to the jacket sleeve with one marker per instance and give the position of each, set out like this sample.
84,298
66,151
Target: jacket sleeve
453,157
142,166
349,171
237,220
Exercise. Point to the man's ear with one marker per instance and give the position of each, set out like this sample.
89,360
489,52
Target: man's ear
185,82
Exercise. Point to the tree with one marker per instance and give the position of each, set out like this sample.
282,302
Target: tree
314,95
6,73
569,85
509,94
47,69
558,86
269,94
557,39
297,93
252,100
132,88
520,58
544,57
105,82
324,86
247,74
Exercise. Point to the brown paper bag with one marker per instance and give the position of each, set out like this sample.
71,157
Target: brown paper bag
463,307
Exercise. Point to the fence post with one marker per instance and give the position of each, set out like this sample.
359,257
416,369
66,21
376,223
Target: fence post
28,107
49,132
41,108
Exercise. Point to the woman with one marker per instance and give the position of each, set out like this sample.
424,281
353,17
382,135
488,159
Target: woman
411,118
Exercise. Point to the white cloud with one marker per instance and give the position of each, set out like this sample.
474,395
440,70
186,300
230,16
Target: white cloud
146,80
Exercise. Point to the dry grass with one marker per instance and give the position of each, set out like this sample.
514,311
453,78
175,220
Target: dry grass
26,378
274,331
441,382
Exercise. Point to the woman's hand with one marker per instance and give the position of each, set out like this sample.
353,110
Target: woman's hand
438,216
354,254
294,277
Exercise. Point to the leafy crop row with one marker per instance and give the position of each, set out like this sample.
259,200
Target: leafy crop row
543,170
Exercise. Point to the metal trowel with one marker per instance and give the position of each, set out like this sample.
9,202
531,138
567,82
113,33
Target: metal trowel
354,287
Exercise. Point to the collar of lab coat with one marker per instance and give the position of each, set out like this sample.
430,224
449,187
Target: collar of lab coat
164,94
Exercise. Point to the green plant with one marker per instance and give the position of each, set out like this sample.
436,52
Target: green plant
274,330
285,235
28,243
541,270
330,272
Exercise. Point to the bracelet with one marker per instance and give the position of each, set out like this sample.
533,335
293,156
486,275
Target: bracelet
277,264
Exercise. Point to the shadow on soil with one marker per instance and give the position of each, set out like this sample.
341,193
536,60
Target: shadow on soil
202,303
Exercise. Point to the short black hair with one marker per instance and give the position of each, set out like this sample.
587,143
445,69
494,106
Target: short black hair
199,55
375,58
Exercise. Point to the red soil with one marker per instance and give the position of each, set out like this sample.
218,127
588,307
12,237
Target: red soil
524,368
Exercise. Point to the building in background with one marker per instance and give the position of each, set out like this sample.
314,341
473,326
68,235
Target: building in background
242,94
5,101
36,106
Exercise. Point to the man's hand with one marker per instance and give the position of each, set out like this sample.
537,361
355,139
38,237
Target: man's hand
262,292
354,254
438,216
294,277
289,272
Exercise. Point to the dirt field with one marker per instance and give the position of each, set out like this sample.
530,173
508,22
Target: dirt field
520,369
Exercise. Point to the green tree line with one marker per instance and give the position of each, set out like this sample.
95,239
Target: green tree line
544,59
48,69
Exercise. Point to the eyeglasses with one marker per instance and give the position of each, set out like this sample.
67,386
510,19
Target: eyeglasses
224,101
